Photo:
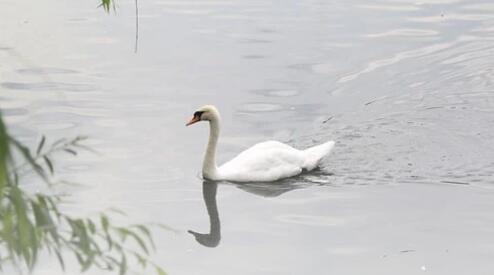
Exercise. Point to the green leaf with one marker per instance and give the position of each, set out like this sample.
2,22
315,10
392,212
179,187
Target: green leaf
140,259
159,270
58,142
123,265
136,237
79,258
60,259
147,233
49,164
118,211
70,151
165,227
87,264
40,145
105,225
91,226
4,155
29,158
107,4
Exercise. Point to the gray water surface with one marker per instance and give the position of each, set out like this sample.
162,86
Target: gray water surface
404,87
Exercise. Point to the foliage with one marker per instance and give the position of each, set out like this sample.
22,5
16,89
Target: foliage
107,4
34,222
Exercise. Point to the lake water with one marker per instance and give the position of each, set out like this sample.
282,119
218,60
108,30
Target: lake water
404,87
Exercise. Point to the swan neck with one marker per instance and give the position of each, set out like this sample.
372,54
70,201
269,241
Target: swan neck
209,168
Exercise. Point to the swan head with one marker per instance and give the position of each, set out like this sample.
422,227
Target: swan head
205,113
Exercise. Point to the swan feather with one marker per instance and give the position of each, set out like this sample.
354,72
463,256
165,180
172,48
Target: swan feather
263,162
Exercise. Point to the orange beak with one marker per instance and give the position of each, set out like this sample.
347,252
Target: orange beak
192,121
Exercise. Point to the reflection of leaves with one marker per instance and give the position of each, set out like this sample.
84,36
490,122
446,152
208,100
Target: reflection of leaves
30,223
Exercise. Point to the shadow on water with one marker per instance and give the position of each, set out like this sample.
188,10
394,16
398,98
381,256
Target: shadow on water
263,189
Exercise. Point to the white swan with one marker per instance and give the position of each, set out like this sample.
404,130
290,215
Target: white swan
265,161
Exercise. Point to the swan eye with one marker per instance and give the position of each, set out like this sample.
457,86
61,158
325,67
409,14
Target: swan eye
198,114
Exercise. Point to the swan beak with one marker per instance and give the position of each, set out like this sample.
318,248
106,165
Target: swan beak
193,120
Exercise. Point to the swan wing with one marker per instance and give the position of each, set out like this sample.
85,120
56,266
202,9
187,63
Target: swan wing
266,161
314,155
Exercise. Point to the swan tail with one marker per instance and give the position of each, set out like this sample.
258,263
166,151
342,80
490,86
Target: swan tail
316,153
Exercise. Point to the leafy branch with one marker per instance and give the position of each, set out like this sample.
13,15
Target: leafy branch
107,4
32,223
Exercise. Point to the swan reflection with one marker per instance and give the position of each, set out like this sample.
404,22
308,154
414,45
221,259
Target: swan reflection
209,190
211,239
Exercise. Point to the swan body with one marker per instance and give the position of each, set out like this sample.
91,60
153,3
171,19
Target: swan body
263,162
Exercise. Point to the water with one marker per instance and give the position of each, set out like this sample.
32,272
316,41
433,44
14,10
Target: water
404,87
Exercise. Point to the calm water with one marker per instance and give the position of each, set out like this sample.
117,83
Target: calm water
405,87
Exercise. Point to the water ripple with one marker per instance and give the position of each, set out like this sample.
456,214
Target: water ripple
483,7
404,32
374,65
261,107
42,71
388,7
311,220
277,93
451,17
47,86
